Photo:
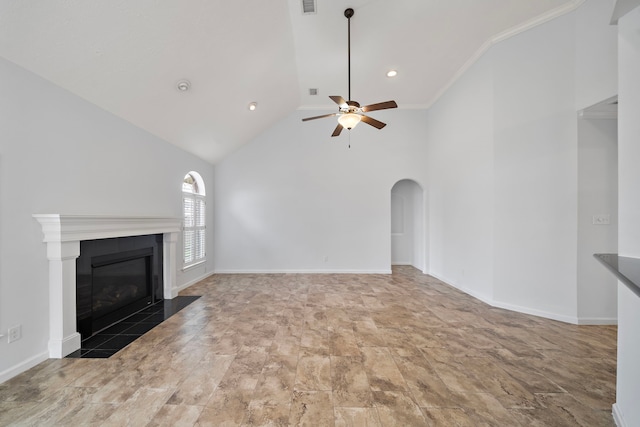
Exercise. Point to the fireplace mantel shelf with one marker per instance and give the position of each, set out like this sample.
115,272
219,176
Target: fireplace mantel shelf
65,228
63,234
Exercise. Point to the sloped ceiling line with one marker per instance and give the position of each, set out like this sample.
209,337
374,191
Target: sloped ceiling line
126,57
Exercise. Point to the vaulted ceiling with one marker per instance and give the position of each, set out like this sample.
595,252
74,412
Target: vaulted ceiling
127,56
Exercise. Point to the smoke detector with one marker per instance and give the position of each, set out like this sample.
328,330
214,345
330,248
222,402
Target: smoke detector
183,85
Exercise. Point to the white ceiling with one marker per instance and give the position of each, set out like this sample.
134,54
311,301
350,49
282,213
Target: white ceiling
127,56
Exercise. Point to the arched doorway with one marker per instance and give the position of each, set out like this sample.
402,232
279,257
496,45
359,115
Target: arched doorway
407,224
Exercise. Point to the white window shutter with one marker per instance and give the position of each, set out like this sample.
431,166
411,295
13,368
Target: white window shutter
194,237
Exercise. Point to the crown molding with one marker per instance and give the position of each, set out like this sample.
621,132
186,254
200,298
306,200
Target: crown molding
539,20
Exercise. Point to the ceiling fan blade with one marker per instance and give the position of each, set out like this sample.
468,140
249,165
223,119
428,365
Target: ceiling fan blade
379,106
337,130
373,122
340,101
320,117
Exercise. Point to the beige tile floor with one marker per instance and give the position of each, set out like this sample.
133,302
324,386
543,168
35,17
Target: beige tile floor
332,350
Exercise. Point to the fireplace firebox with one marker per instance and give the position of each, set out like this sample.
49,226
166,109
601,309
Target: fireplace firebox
116,278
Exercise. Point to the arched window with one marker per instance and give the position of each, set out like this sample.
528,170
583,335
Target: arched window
193,208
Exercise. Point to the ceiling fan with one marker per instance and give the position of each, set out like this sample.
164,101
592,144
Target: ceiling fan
350,113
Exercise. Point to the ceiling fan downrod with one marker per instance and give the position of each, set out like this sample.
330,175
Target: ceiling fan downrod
348,13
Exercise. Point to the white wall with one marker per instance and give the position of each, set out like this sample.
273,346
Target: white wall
295,195
460,184
407,224
503,164
536,170
60,154
626,409
596,66
597,195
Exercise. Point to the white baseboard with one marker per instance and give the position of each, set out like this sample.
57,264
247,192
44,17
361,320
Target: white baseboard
60,348
303,271
559,317
474,294
617,416
22,367
193,282
535,312
422,270
597,320
528,310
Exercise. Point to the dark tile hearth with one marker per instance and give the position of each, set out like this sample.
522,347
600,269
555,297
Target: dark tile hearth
118,336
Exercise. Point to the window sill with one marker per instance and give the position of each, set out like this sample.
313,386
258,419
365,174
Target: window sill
195,264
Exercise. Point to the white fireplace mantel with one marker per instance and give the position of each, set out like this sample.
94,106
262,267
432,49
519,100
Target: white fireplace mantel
63,234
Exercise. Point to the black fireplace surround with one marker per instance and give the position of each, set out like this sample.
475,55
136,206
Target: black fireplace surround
116,278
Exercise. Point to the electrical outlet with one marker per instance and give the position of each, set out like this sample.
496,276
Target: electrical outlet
15,333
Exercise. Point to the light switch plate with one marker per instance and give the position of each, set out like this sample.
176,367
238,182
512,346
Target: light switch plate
604,219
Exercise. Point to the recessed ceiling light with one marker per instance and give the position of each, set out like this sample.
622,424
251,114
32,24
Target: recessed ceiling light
183,85
392,73
253,106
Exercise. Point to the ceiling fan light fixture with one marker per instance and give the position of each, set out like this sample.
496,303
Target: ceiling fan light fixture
349,120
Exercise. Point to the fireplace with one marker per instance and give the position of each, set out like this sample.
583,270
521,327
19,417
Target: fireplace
116,278
63,235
